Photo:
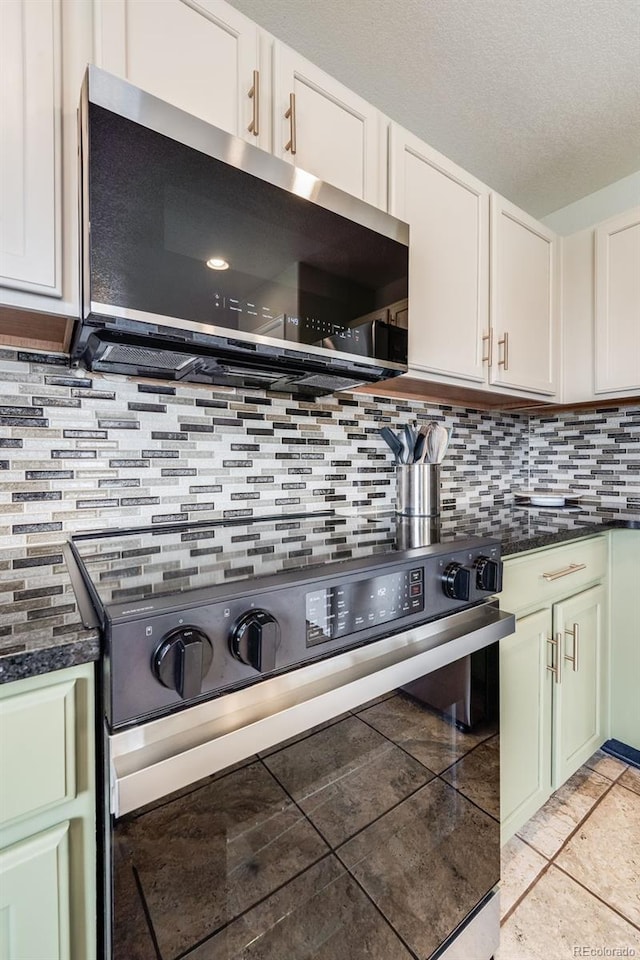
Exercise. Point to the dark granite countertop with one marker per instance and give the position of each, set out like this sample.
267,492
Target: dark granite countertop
522,528
40,627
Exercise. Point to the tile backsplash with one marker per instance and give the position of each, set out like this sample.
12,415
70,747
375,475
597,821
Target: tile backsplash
595,452
82,451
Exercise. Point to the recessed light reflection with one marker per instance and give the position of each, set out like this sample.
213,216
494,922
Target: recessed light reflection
217,263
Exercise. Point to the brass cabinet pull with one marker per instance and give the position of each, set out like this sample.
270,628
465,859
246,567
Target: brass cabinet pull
504,342
575,633
488,339
254,94
557,669
572,568
290,115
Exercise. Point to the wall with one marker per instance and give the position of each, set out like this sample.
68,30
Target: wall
608,202
596,452
80,452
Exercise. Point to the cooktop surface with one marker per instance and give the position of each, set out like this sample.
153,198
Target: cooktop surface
134,565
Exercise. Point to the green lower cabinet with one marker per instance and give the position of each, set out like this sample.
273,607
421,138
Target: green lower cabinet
525,721
579,694
554,672
48,817
625,637
35,897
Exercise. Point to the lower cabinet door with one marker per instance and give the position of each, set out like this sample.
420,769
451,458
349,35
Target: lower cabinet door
578,709
525,721
34,897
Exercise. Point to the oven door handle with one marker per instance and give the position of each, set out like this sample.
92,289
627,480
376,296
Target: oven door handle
151,760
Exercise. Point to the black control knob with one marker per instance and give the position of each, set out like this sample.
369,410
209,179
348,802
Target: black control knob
182,661
255,639
488,575
456,581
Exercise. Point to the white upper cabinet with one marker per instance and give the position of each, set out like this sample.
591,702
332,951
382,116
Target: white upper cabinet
524,292
30,146
617,304
448,215
326,129
199,56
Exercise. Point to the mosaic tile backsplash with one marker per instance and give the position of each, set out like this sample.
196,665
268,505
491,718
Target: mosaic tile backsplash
80,451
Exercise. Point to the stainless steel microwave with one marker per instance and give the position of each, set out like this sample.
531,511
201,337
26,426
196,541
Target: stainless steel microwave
207,259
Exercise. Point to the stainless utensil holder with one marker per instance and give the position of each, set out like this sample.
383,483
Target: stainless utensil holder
418,489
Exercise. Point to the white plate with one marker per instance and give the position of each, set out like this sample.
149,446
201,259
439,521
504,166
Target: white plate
548,498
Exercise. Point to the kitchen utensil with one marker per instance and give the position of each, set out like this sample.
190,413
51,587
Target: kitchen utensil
437,442
410,439
392,441
419,447
406,447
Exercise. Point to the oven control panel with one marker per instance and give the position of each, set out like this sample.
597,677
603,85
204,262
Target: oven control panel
340,610
190,651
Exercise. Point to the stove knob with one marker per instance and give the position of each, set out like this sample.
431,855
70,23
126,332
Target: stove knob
182,661
255,639
488,575
456,581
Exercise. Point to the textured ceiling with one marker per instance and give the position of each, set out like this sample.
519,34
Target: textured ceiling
538,98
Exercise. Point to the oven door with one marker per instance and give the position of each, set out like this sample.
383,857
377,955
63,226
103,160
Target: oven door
346,809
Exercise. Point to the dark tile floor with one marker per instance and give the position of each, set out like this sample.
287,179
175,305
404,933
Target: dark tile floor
571,876
341,844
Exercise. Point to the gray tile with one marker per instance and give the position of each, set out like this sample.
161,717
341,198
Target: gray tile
559,915
520,865
477,776
322,914
212,854
426,863
548,829
604,854
346,776
428,737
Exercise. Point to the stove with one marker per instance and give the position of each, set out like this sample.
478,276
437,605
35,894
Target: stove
192,611
296,710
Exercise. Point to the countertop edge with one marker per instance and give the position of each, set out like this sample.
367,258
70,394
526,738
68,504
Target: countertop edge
33,663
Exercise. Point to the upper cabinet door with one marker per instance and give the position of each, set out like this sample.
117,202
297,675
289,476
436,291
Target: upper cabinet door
199,56
617,304
324,128
524,293
448,215
30,146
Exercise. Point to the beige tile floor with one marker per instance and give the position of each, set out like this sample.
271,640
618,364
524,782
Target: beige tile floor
571,876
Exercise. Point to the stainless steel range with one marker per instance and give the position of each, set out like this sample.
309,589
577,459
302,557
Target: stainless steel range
301,743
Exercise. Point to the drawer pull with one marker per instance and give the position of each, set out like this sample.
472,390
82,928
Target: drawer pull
572,568
575,633
555,646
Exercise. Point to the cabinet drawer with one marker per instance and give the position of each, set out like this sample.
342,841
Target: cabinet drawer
37,747
550,574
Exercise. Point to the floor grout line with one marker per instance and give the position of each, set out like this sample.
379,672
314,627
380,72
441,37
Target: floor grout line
551,860
597,896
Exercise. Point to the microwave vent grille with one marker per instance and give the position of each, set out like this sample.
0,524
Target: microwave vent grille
145,357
